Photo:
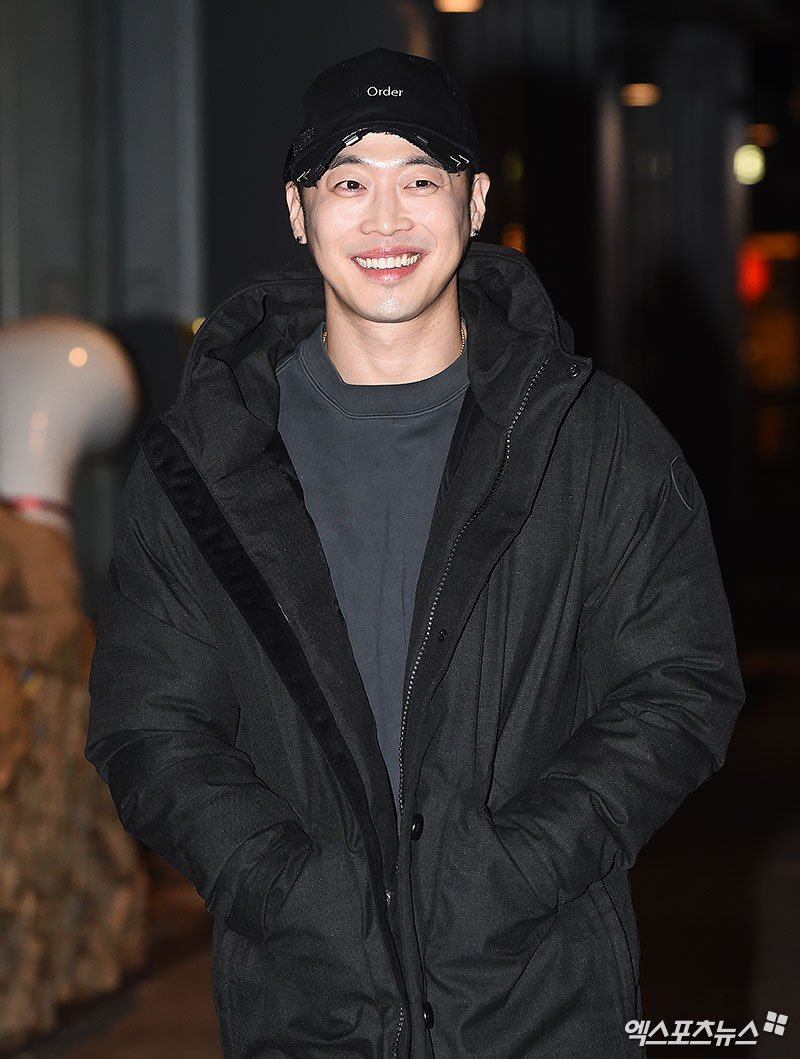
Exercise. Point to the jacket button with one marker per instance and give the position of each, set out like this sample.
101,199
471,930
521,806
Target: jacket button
417,824
427,1015
574,371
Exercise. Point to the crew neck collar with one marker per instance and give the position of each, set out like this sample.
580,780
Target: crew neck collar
392,399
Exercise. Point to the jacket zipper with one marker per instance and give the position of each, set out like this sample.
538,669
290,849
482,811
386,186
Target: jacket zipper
440,587
400,1024
432,613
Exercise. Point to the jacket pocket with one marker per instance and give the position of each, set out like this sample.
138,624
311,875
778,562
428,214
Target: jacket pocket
484,907
620,950
308,986
263,885
557,991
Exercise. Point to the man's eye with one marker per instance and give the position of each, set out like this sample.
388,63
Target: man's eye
349,185
421,182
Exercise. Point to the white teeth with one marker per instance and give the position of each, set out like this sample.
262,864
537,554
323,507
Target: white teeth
388,262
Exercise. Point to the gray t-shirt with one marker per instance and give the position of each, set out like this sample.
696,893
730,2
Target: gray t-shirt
370,461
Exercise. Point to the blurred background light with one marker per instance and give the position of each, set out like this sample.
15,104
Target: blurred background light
754,273
640,94
458,5
762,135
749,166
777,246
78,356
514,236
513,167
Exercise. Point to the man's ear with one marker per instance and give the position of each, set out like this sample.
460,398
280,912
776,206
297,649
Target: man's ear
297,218
477,200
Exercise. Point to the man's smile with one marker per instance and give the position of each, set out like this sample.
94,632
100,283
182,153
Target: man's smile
395,261
388,264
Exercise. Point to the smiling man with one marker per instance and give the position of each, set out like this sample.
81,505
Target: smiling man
415,633
388,226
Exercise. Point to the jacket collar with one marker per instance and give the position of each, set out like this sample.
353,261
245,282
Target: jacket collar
231,367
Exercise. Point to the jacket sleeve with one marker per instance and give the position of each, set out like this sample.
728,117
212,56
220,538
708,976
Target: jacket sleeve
163,725
657,660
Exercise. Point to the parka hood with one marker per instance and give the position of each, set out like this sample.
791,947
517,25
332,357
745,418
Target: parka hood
511,322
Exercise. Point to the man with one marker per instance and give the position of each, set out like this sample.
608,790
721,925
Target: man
415,632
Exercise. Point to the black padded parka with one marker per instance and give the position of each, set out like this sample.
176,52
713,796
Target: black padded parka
571,677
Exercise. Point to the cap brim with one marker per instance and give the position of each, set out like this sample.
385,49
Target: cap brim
308,165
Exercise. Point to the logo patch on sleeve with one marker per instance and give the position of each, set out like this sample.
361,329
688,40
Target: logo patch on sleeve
683,480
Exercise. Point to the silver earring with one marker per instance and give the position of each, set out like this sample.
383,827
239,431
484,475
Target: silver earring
475,231
300,239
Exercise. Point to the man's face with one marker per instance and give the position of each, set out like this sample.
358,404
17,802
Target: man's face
387,227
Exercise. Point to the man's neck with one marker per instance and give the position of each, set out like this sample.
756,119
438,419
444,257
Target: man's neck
369,353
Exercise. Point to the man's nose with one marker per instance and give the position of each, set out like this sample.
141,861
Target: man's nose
386,212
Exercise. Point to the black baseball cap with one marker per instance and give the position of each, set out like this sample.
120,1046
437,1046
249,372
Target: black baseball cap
382,91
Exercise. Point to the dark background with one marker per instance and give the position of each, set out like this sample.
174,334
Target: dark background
141,151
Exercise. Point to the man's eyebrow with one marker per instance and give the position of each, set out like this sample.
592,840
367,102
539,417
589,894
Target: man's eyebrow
414,159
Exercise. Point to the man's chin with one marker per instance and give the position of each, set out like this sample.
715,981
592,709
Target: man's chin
389,310
383,305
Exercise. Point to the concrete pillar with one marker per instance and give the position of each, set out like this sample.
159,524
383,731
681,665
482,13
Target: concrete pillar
156,143
54,251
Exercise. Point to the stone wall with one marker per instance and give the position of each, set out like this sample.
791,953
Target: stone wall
72,886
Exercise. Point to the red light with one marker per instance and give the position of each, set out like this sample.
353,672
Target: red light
754,274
